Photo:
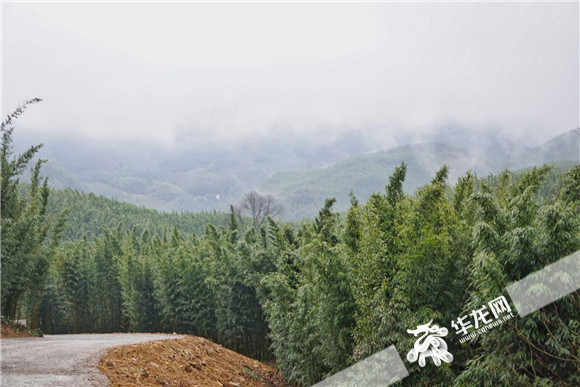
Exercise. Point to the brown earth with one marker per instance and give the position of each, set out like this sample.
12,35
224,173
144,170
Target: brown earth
13,330
63,360
191,361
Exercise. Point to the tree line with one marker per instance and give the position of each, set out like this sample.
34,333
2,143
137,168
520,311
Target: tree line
321,295
88,215
354,286
125,281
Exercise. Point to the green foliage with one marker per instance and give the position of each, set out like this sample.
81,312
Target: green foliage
14,325
572,182
316,296
122,281
523,235
303,190
309,303
399,261
89,214
29,235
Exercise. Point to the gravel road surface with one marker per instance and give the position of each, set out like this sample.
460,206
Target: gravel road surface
62,360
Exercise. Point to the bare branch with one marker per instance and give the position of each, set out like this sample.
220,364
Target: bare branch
258,207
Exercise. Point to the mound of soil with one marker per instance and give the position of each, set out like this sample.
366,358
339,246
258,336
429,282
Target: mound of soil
191,361
9,329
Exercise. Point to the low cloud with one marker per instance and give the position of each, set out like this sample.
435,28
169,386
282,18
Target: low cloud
392,72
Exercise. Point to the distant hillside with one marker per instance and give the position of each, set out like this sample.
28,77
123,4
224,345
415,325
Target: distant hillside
302,192
202,177
562,149
189,175
89,214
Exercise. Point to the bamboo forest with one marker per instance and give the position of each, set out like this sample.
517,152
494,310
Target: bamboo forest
311,297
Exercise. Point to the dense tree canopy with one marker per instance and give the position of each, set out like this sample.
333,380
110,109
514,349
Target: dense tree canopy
29,235
315,297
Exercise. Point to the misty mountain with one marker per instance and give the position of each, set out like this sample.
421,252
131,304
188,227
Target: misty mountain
304,191
563,148
193,174
196,174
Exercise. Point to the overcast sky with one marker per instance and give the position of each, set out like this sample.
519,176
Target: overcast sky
156,70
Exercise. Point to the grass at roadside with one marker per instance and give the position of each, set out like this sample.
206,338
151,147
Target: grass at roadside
14,329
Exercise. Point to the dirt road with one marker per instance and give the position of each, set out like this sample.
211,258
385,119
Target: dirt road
62,360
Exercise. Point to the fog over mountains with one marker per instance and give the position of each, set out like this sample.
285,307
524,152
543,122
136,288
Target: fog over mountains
301,173
186,106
